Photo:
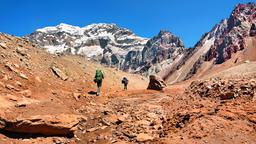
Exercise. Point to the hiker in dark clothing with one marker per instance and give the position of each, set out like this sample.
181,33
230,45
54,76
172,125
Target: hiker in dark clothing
98,79
125,82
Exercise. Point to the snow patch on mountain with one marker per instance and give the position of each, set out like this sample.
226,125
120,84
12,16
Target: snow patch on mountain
90,51
74,30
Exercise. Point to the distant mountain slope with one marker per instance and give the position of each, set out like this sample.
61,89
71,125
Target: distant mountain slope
225,42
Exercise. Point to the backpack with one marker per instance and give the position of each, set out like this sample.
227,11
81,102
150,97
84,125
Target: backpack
98,75
125,80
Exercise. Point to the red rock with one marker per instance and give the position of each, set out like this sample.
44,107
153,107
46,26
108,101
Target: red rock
142,137
228,95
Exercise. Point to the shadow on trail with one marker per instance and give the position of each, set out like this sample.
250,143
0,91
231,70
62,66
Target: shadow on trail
92,92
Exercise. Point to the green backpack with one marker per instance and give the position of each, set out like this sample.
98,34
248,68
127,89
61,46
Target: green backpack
98,75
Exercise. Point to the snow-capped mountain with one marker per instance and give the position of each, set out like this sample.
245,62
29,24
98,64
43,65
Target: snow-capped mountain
111,45
106,43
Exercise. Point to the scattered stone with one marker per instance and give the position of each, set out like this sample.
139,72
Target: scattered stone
16,65
2,124
156,83
38,79
59,73
112,119
54,92
129,134
23,76
253,83
3,56
2,84
105,122
92,129
20,105
12,97
120,142
142,137
10,67
18,83
143,122
77,96
3,45
103,127
226,96
10,87
26,93
6,77
247,61
21,51
123,118
254,97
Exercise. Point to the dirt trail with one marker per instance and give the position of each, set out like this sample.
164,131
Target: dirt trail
128,116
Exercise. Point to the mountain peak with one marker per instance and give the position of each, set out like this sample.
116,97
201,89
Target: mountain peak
163,32
167,38
101,25
61,27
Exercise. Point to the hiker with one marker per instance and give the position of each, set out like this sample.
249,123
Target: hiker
125,82
98,79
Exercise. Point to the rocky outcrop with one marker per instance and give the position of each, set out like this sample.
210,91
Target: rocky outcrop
223,89
156,83
47,125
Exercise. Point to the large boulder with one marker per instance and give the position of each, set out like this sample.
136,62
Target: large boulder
156,83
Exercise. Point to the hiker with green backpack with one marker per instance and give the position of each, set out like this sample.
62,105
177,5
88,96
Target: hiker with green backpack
98,79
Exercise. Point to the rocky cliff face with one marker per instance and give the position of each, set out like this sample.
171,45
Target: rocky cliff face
231,37
158,52
218,45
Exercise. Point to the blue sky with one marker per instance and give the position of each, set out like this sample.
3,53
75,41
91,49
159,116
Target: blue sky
188,19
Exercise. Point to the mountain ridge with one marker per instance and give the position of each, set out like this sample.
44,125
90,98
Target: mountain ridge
163,54
108,44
